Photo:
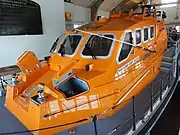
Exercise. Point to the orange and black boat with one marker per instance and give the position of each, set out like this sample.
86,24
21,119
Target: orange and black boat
97,78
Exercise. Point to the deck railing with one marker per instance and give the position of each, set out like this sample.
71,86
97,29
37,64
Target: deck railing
140,108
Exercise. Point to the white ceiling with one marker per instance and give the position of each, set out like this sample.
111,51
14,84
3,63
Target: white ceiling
84,3
109,5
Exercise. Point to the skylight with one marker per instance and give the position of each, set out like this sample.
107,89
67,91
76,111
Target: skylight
169,5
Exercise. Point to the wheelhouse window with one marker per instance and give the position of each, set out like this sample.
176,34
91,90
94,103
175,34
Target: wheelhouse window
152,32
126,46
98,46
54,46
70,44
146,34
56,43
138,37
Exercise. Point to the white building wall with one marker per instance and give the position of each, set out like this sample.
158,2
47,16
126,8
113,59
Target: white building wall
79,14
171,14
103,13
11,47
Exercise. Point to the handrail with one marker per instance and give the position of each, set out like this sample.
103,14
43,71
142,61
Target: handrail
170,73
173,40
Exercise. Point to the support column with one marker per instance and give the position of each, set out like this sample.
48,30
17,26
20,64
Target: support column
94,9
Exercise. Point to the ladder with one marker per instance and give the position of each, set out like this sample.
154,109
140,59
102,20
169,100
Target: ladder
167,61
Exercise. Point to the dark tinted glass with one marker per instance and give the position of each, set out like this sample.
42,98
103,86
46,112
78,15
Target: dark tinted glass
100,46
138,36
152,32
126,46
70,44
146,34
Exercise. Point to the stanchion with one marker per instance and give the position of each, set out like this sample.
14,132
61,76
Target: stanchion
134,115
3,89
162,88
95,125
169,78
151,97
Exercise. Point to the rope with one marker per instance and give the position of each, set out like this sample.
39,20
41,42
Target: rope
102,36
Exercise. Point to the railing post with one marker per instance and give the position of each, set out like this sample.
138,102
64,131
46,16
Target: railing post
3,89
175,60
151,97
169,78
177,54
95,125
134,115
177,69
162,88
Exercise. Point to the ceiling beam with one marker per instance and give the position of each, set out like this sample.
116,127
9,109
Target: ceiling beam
148,2
145,1
120,5
94,9
163,4
131,3
176,23
68,1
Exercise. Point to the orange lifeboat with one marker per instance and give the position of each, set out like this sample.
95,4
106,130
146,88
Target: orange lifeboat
89,75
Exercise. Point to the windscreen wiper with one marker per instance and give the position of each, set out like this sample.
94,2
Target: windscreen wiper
53,48
92,54
62,50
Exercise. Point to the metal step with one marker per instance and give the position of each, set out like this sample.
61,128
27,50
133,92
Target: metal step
167,59
166,65
163,69
170,52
